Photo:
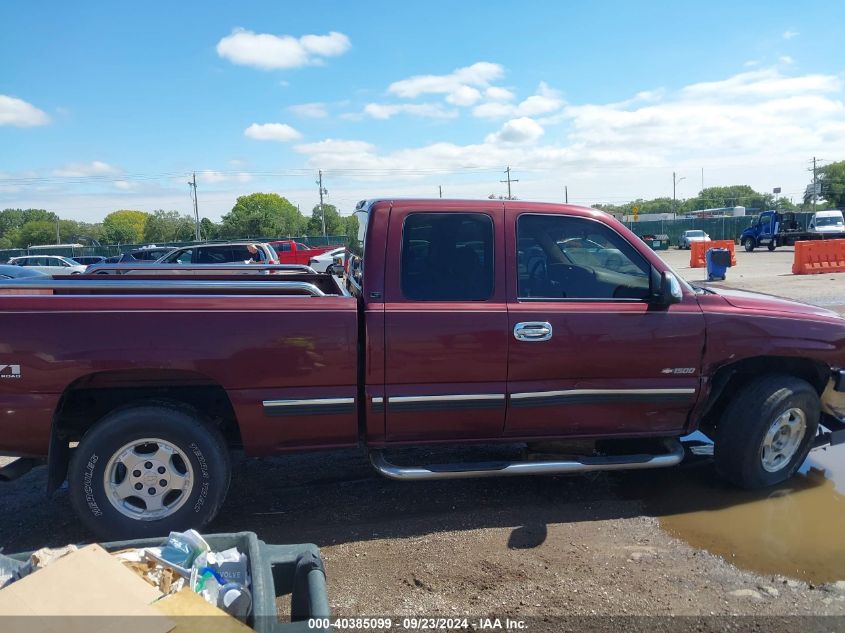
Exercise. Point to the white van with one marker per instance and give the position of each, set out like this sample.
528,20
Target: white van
827,222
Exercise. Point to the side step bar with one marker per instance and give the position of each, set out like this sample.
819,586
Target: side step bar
18,468
673,456
832,434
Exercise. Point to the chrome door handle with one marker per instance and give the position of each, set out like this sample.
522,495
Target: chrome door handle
533,331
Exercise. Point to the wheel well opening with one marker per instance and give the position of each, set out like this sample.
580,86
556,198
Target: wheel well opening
730,379
90,398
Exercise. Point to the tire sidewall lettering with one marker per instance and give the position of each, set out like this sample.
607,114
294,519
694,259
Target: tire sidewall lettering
203,466
87,485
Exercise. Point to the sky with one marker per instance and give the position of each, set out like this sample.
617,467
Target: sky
113,105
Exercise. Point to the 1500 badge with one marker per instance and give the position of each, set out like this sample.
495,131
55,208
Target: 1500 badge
678,370
10,371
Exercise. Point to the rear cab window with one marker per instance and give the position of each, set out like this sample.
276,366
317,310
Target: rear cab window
447,257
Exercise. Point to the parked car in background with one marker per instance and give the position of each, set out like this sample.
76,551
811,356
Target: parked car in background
830,221
328,262
10,271
89,260
693,235
233,253
150,253
50,264
291,252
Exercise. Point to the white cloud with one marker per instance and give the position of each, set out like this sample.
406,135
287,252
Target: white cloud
751,121
124,185
544,101
272,132
788,35
768,82
335,146
426,110
310,110
460,86
521,130
83,170
496,93
786,59
17,112
463,96
212,177
271,52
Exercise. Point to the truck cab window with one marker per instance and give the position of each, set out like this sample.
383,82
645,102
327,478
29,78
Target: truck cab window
564,257
447,257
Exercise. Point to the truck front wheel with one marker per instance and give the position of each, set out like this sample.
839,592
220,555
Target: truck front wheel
772,246
749,244
149,469
766,431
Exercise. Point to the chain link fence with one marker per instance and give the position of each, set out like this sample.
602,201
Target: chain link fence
727,228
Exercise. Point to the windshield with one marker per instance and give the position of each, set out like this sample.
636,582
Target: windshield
695,233
830,220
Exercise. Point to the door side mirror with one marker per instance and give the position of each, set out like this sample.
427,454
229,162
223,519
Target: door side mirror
666,289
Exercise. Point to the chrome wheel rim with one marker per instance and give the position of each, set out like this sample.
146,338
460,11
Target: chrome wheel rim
148,479
783,440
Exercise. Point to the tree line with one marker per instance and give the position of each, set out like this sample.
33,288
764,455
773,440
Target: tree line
271,215
254,215
831,178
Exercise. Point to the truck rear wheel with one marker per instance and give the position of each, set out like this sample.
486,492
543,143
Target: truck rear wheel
749,244
766,431
772,246
149,469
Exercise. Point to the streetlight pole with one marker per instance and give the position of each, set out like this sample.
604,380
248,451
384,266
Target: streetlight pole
675,181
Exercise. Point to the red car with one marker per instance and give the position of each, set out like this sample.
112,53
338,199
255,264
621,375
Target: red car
291,252
465,322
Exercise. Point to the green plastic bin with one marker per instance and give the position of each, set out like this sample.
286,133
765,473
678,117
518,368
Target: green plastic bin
275,570
657,242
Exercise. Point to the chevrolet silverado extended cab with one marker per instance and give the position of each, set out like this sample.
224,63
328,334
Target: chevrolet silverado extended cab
464,322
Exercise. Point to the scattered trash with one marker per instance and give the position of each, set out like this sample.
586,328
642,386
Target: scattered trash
184,560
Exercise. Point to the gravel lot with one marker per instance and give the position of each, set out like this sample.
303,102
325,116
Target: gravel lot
539,547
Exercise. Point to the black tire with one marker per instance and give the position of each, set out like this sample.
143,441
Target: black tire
771,246
179,425
748,417
749,244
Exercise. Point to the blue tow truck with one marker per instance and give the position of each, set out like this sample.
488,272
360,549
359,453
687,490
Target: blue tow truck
772,229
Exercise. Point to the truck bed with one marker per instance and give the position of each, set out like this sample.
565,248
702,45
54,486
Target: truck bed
265,344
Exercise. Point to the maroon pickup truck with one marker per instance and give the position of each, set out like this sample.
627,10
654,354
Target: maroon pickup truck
464,322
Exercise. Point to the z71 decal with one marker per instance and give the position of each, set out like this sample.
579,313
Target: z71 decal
10,371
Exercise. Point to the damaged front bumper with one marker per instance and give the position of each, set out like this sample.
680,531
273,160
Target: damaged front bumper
833,412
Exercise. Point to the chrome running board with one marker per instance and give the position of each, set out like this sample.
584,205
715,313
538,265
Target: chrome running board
673,456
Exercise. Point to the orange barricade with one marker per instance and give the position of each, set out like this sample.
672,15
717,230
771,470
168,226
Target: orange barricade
819,256
698,249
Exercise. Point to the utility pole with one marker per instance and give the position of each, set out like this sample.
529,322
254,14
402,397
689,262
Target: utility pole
322,192
815,184
675,182
440,187
509,181
566,194
193,185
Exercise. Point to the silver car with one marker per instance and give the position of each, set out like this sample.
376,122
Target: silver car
50,264
693,235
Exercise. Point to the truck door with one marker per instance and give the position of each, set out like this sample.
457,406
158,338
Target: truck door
589,354
446,324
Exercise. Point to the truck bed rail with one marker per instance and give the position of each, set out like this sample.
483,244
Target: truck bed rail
171,285
102,269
